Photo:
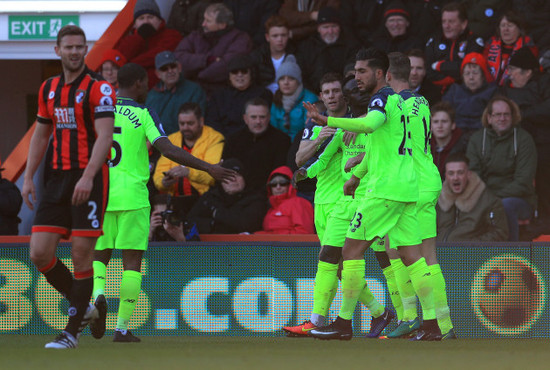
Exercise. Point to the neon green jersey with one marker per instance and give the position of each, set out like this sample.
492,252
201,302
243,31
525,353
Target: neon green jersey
388,155
129,163
418,110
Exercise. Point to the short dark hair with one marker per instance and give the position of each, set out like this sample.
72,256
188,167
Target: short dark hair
457,157
223,13
417,53
444,106
456,6
376,58
512,17
129,73
400,66
257,101
70,30
330,77
160,199
276,21
191,107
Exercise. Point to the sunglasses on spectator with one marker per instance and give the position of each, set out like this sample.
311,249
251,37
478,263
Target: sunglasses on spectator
278,183
240,70
168,67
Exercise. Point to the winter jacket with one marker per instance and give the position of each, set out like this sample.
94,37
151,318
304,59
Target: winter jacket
197,53
537,14
168,102
301,24
226,107
457,144
260,154
444,57
505,163
497,59
208,147
403,43
217,212
534,102
289,213
474,215
297,115
261,57
142,51
250,16
10,205
469,105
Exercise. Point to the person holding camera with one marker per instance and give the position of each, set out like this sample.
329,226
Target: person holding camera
161,229
126,221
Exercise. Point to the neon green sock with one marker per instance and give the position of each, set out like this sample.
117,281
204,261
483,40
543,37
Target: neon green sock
100,276
393,291
326,285
130,287
422,282
442,311
369,300
406,289
353,282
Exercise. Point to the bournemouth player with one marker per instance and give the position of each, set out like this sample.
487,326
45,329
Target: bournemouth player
78,108
126,223
429,184
388,207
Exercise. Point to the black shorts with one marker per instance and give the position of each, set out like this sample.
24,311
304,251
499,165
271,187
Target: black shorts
56,214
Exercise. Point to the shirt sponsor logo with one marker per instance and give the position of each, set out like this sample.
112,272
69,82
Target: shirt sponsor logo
65,118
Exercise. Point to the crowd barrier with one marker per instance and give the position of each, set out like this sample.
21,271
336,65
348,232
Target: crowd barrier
253,288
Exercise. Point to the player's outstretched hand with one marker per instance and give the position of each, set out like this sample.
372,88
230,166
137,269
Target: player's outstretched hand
314,114
299,175
82,190
221,174
29,189
351,185
349,137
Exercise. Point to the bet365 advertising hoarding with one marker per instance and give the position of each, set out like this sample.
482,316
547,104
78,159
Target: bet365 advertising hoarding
253,289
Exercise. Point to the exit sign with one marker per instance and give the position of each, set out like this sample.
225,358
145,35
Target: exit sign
38,27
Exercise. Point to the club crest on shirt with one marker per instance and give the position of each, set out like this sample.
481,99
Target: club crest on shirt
79,97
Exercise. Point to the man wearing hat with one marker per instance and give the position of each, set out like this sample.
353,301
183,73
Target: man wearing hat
326,51
530,90
148,37
226,106
230,207
172,91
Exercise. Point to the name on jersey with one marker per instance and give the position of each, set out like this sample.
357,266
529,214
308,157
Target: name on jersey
127,112
65,118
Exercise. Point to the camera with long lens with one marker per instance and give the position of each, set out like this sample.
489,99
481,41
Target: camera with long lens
176,212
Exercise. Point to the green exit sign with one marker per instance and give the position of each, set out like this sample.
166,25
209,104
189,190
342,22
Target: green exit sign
38,27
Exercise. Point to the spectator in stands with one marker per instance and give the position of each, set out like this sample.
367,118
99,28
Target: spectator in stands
530,90
484,15
466,209
425,17
418,81
10,205
229,207
504,156
470,97
358,100
149,36
198,139
537,12
260,146
302,16
446,138
445,50
226,106
287,111
325,51
172,90
510,37
396,35
269,56
250,16
160,229
204,54
289,213
361,19
111,62
187,16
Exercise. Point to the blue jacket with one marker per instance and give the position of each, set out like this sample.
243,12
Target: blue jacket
297,115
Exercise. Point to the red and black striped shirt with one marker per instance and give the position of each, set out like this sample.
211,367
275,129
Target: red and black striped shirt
72,109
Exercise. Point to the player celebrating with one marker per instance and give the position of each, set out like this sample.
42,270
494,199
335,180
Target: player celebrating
392,191
127,217
429,184
78,108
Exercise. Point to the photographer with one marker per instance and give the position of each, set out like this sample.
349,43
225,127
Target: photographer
160,229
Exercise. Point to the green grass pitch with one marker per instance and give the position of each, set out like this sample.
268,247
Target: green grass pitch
211,352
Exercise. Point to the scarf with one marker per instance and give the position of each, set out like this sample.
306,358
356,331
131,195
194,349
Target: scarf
289,101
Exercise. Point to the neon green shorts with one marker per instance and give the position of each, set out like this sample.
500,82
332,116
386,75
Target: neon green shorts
425,214
338,222
376,217
321,215
125,230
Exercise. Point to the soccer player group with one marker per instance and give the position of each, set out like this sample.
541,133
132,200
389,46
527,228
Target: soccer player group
387,203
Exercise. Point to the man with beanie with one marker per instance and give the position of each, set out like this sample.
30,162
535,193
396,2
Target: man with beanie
204,54
111,62
530,90
171,91
148,37
325,51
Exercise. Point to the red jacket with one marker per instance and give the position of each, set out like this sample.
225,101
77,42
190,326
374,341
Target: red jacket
289,213
142,51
